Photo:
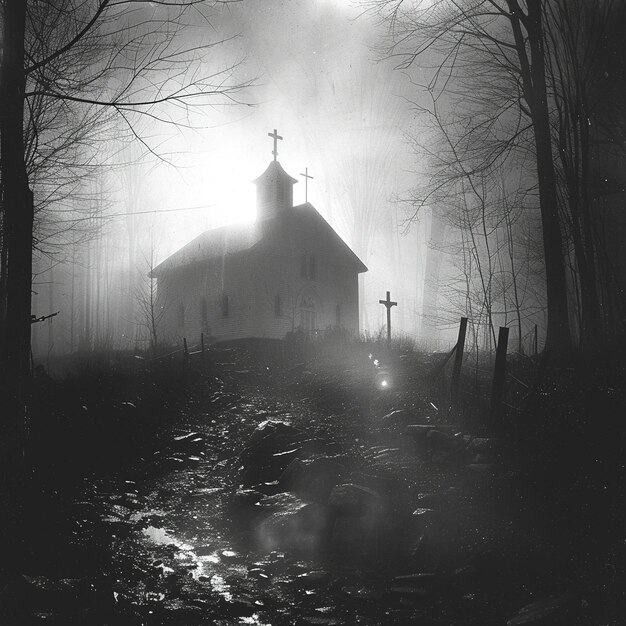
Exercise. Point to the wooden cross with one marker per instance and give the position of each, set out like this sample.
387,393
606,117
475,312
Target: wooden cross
306,183
388,304
276,137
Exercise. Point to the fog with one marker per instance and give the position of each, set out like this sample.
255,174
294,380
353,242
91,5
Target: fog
342,110
374,137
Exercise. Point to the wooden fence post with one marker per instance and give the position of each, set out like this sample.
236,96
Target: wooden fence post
499,373
185,354
458,360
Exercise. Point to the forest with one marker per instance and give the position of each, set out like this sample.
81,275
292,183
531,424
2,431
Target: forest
472,155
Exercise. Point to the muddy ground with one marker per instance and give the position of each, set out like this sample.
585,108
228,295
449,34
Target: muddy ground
323,490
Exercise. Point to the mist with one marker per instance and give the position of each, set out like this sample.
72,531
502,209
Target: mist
343,112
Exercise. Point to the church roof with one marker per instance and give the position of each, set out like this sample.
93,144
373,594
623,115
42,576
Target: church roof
274,169
217,242
237,238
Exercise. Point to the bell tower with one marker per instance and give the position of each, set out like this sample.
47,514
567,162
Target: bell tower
274,188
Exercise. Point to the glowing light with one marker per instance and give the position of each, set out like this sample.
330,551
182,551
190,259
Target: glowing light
384,384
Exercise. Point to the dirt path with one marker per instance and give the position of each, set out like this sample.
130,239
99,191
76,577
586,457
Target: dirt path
295,496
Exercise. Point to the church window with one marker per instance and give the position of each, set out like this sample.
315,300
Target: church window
181,314
312,268
278,306
338,315
303,267
224,305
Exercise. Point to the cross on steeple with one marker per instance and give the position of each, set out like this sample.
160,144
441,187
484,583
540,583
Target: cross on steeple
276,137
306,183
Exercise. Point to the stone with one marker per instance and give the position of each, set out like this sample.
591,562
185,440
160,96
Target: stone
421,579
279,501
312,580
311,478
271,447
276,430
548,612
299,526
399,418
484,445
246,497
352,498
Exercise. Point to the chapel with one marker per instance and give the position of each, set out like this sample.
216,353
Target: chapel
286,271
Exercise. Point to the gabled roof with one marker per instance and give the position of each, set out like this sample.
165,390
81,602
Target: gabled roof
217,242
342,246
237,238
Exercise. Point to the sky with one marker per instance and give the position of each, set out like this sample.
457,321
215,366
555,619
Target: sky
342,111
319,83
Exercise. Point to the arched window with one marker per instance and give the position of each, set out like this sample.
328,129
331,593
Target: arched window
224,305
278,306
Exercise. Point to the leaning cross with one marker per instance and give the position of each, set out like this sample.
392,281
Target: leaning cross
388,304
276,137
306,183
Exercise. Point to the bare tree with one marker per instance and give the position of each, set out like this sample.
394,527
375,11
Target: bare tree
72,60
69,60
490,60
150,309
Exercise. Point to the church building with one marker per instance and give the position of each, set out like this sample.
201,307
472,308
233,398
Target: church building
286,271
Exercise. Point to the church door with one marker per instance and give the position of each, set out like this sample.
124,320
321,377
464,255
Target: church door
308,320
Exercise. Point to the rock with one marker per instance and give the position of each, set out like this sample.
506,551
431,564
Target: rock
190,442
239,607
351,498
427,516
300,526
384,485
438,441
271,447
422,579
245,498
418,433
276,430
399,418
318,621
270,488
484,445
312,580
549,612
311,478
279,501
431,500
466,576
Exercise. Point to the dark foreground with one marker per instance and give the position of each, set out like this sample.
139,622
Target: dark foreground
310,494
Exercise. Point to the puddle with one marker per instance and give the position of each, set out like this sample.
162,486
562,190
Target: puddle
203,565
220,586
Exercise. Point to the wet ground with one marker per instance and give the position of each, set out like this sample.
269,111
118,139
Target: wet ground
311,495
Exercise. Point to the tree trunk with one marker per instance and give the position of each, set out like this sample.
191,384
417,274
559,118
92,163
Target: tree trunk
17,239
558,338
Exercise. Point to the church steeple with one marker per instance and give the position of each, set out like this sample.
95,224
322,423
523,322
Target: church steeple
274,192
